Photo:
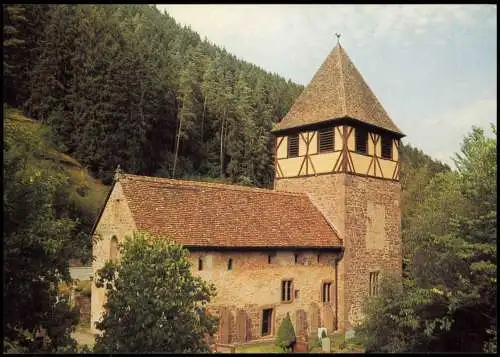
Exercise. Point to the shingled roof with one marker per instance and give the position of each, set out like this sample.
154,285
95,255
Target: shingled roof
337,91
200,214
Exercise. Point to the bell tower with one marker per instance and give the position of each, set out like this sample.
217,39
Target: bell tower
338,145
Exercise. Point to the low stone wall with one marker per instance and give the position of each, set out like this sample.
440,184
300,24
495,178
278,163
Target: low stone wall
224,348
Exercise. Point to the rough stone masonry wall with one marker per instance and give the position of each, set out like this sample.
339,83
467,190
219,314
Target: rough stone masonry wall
116,220
327,192
253,285
345,200
83,303
361,257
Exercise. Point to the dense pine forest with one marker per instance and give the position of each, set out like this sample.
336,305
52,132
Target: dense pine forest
91,87
126,85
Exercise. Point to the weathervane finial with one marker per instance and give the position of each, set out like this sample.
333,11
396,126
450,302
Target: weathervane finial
338,38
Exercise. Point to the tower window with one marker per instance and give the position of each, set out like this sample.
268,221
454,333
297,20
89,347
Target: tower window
326,292
386,147
200,264
361,141
230,264
374,283
293,145
325,140
286,290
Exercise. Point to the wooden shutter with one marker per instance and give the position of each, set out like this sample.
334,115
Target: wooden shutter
326,139
293,145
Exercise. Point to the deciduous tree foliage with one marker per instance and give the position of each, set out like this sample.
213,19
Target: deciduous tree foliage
154,303
38,241
447,301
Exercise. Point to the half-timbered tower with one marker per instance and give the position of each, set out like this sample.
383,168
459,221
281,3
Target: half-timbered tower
338,145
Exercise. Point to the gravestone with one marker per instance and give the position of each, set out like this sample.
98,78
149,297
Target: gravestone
301,345
320,332
224,325
313,315
253,319
241,326
300,322
328,318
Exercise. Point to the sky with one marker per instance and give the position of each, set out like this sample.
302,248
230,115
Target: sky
432,67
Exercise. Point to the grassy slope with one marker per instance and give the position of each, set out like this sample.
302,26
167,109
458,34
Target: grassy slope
86,192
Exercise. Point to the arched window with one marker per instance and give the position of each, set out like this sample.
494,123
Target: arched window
113,250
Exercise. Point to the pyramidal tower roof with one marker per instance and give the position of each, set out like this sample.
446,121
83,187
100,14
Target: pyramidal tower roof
337,91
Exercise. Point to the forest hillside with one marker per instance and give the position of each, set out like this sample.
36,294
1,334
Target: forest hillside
126,85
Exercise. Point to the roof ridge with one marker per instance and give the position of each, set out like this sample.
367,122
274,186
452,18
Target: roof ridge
328,221
208,185
342,81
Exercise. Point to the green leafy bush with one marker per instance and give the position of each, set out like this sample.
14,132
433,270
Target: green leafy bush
313,342
286,334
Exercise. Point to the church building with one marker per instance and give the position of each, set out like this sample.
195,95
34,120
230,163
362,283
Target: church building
315,246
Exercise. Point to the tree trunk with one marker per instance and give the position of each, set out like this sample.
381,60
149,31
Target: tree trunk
141,102
203,123
222,144
177,141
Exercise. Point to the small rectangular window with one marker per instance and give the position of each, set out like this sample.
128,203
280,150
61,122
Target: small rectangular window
286,290
326,292
293,145
326,139
361,141
200,264
267,315
230,264
386,147
374,283
271,258
296,258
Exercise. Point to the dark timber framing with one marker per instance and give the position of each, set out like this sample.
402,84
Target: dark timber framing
344,162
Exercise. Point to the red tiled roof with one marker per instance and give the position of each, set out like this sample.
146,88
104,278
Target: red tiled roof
215,215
